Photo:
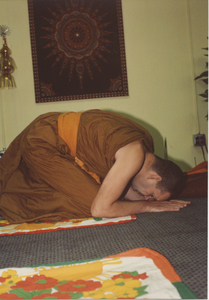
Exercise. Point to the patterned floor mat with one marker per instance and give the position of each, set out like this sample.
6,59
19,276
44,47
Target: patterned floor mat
137,273
25,228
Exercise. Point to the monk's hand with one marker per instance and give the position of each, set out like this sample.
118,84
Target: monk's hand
171,205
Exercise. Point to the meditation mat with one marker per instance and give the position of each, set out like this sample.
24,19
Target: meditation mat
138,273
25,228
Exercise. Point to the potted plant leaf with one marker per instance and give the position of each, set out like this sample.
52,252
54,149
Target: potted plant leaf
204,77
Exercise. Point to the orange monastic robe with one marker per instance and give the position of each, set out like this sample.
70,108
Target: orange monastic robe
49,170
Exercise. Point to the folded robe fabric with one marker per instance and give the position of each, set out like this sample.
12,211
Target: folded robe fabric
40,179
138,273
196,182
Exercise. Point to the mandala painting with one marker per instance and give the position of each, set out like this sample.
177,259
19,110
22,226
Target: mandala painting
78,49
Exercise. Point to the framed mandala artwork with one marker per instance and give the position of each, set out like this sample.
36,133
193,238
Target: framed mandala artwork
78,49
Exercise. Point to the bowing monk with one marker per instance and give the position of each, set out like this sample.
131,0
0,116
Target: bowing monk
77,165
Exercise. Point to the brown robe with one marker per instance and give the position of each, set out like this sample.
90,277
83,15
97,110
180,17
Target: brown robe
39,178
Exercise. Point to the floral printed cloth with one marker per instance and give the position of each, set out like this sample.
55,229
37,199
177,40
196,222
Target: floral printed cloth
135,274
10,229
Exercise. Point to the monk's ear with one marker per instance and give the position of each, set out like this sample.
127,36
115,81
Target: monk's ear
154,176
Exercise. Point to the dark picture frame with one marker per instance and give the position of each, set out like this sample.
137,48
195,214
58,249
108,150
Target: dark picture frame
78,49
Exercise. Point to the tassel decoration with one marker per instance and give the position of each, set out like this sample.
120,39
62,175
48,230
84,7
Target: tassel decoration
7,64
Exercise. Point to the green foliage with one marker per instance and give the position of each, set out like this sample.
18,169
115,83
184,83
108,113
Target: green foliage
204,77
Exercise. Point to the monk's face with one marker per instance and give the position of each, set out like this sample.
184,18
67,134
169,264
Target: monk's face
147,189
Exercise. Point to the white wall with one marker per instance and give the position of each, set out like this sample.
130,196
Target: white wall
163,40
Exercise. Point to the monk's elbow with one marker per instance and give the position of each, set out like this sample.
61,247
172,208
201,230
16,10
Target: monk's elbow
97,212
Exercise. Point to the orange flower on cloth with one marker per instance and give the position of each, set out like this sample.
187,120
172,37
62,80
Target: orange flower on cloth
37,282
133,275
2,279
79,286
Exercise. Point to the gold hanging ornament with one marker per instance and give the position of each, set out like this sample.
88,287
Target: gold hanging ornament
7,64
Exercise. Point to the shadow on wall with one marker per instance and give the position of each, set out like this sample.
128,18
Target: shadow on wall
159,143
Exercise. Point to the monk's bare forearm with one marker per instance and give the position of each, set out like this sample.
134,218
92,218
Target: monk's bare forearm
124,208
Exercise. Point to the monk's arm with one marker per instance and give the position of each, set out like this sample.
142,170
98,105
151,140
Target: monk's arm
129,161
